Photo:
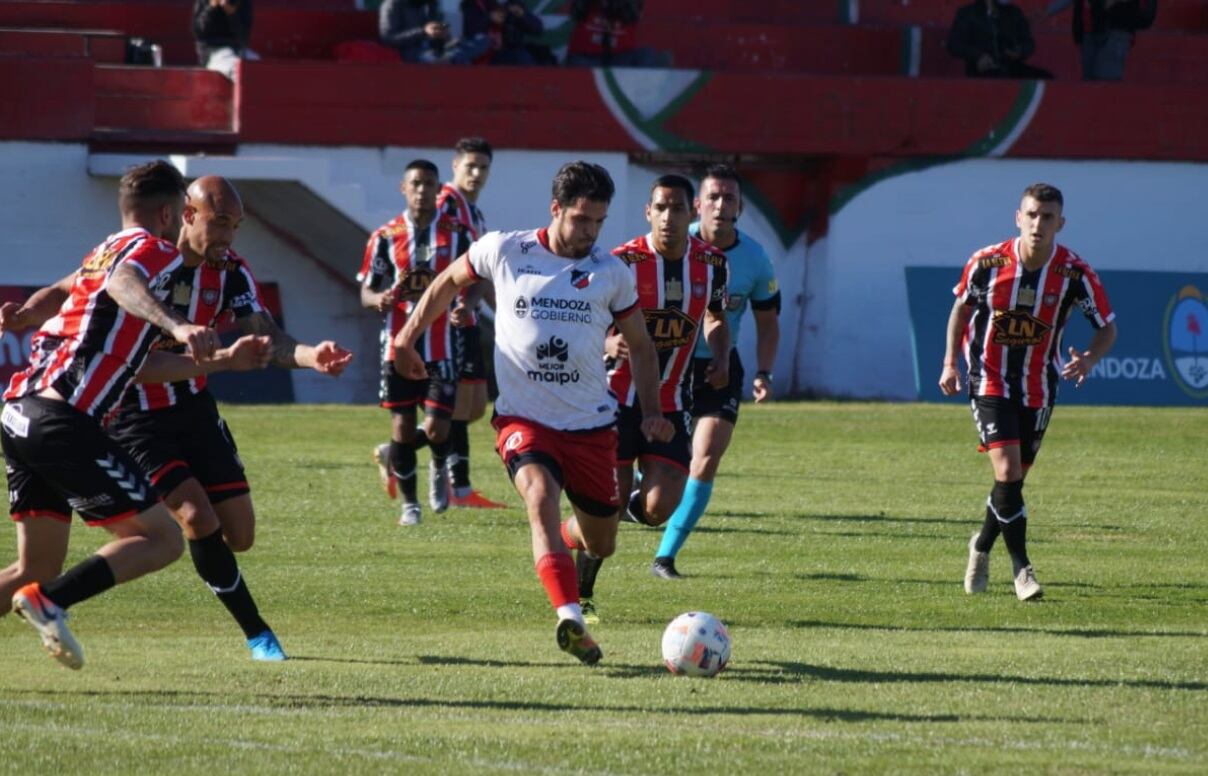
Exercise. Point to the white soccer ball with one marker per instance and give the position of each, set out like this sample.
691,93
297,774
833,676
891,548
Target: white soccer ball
696,644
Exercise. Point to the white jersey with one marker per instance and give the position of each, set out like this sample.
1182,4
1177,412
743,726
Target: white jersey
551,316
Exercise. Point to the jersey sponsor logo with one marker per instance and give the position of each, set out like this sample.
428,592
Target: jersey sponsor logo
669,328
1073,273
992,262
551,362
520,309
99,260
580,278
548,308
673,290
1026,296
528,269
527,245
92,503
16,423
1018,328
246,299
415,283
714,259
633,257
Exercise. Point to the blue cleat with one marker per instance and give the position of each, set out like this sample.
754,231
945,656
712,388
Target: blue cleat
266,647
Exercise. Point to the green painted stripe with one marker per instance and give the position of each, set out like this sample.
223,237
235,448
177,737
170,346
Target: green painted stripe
1027,90
666,141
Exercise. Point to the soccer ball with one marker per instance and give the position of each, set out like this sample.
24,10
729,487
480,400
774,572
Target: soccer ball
696,644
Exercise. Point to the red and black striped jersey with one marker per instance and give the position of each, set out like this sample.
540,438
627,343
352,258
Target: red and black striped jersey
408,259
453,203
91,350
203,295
1012,344
674,294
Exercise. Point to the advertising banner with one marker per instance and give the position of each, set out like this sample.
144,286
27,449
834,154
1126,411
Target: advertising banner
1160,356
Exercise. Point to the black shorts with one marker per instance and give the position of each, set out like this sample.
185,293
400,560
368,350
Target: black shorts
59,459
188,439
710,402
632,444
467,352
1004,422
438,393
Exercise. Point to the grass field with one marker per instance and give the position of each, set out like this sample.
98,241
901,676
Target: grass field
834,549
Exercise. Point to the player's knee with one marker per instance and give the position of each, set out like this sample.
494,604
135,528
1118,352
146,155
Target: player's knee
1007,500
239,538
600,546
196,520
477,411
704,467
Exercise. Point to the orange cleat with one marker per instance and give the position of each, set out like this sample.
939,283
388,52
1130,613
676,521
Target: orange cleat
473,500
381,456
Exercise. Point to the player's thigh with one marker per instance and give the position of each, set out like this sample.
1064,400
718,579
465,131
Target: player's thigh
1034,422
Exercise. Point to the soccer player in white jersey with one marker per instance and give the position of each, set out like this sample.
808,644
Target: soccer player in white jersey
556,297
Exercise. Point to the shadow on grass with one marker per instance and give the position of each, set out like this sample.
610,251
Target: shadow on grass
790,672
1085,633
320,701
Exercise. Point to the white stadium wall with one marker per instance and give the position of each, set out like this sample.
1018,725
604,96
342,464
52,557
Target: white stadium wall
844,327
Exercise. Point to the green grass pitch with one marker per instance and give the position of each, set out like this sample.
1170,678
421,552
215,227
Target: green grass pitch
834,549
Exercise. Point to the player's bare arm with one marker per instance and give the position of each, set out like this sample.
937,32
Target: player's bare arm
958,319
465,305
645,363
717,336
247,353
1081,363
286,352
375,300
616,347
129,289
438,297
767,341
38,309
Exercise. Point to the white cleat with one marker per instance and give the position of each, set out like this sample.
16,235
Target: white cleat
412,515
977,573
51,624
1026,586
438,487
381,456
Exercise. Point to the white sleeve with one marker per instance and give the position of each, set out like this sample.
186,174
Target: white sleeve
625,293
485,254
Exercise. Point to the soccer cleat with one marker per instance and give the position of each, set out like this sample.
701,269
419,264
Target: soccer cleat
590,615
633,509
265,647
1026,586
474,500
412,514
664,568
438,487
381,456
50,622
574,639
977,573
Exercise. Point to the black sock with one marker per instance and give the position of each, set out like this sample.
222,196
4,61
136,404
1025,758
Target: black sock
402,466
587,566
440,452
1006,500
91,576
421,438
990,530
459,453
215,564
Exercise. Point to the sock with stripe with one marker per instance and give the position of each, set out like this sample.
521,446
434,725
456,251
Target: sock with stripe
1006,500
459,454
587,568
215,564
402,467
693,504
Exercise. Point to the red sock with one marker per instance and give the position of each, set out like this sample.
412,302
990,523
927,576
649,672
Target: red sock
569,540
557,574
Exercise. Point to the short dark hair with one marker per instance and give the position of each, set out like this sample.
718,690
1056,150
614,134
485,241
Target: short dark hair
582,180
473,145
674,182
1043,192
722,172
150,185
421,164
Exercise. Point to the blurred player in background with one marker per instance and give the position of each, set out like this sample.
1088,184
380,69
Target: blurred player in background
557,295
751,281
401,259
1012,303
681,287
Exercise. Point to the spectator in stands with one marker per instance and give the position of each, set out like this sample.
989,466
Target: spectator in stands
1106,40
222,29
509,27
605,34
993,38
418,30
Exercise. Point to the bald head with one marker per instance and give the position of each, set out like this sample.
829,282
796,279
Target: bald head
213,211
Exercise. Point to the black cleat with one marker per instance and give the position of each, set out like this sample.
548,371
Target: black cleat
664,568
574,638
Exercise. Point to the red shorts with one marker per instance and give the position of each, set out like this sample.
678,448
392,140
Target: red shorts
583,462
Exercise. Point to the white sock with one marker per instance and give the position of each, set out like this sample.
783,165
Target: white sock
571,612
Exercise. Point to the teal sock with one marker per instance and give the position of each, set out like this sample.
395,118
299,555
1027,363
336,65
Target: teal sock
691,507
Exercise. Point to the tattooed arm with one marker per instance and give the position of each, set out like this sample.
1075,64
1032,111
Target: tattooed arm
129,289
286,352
